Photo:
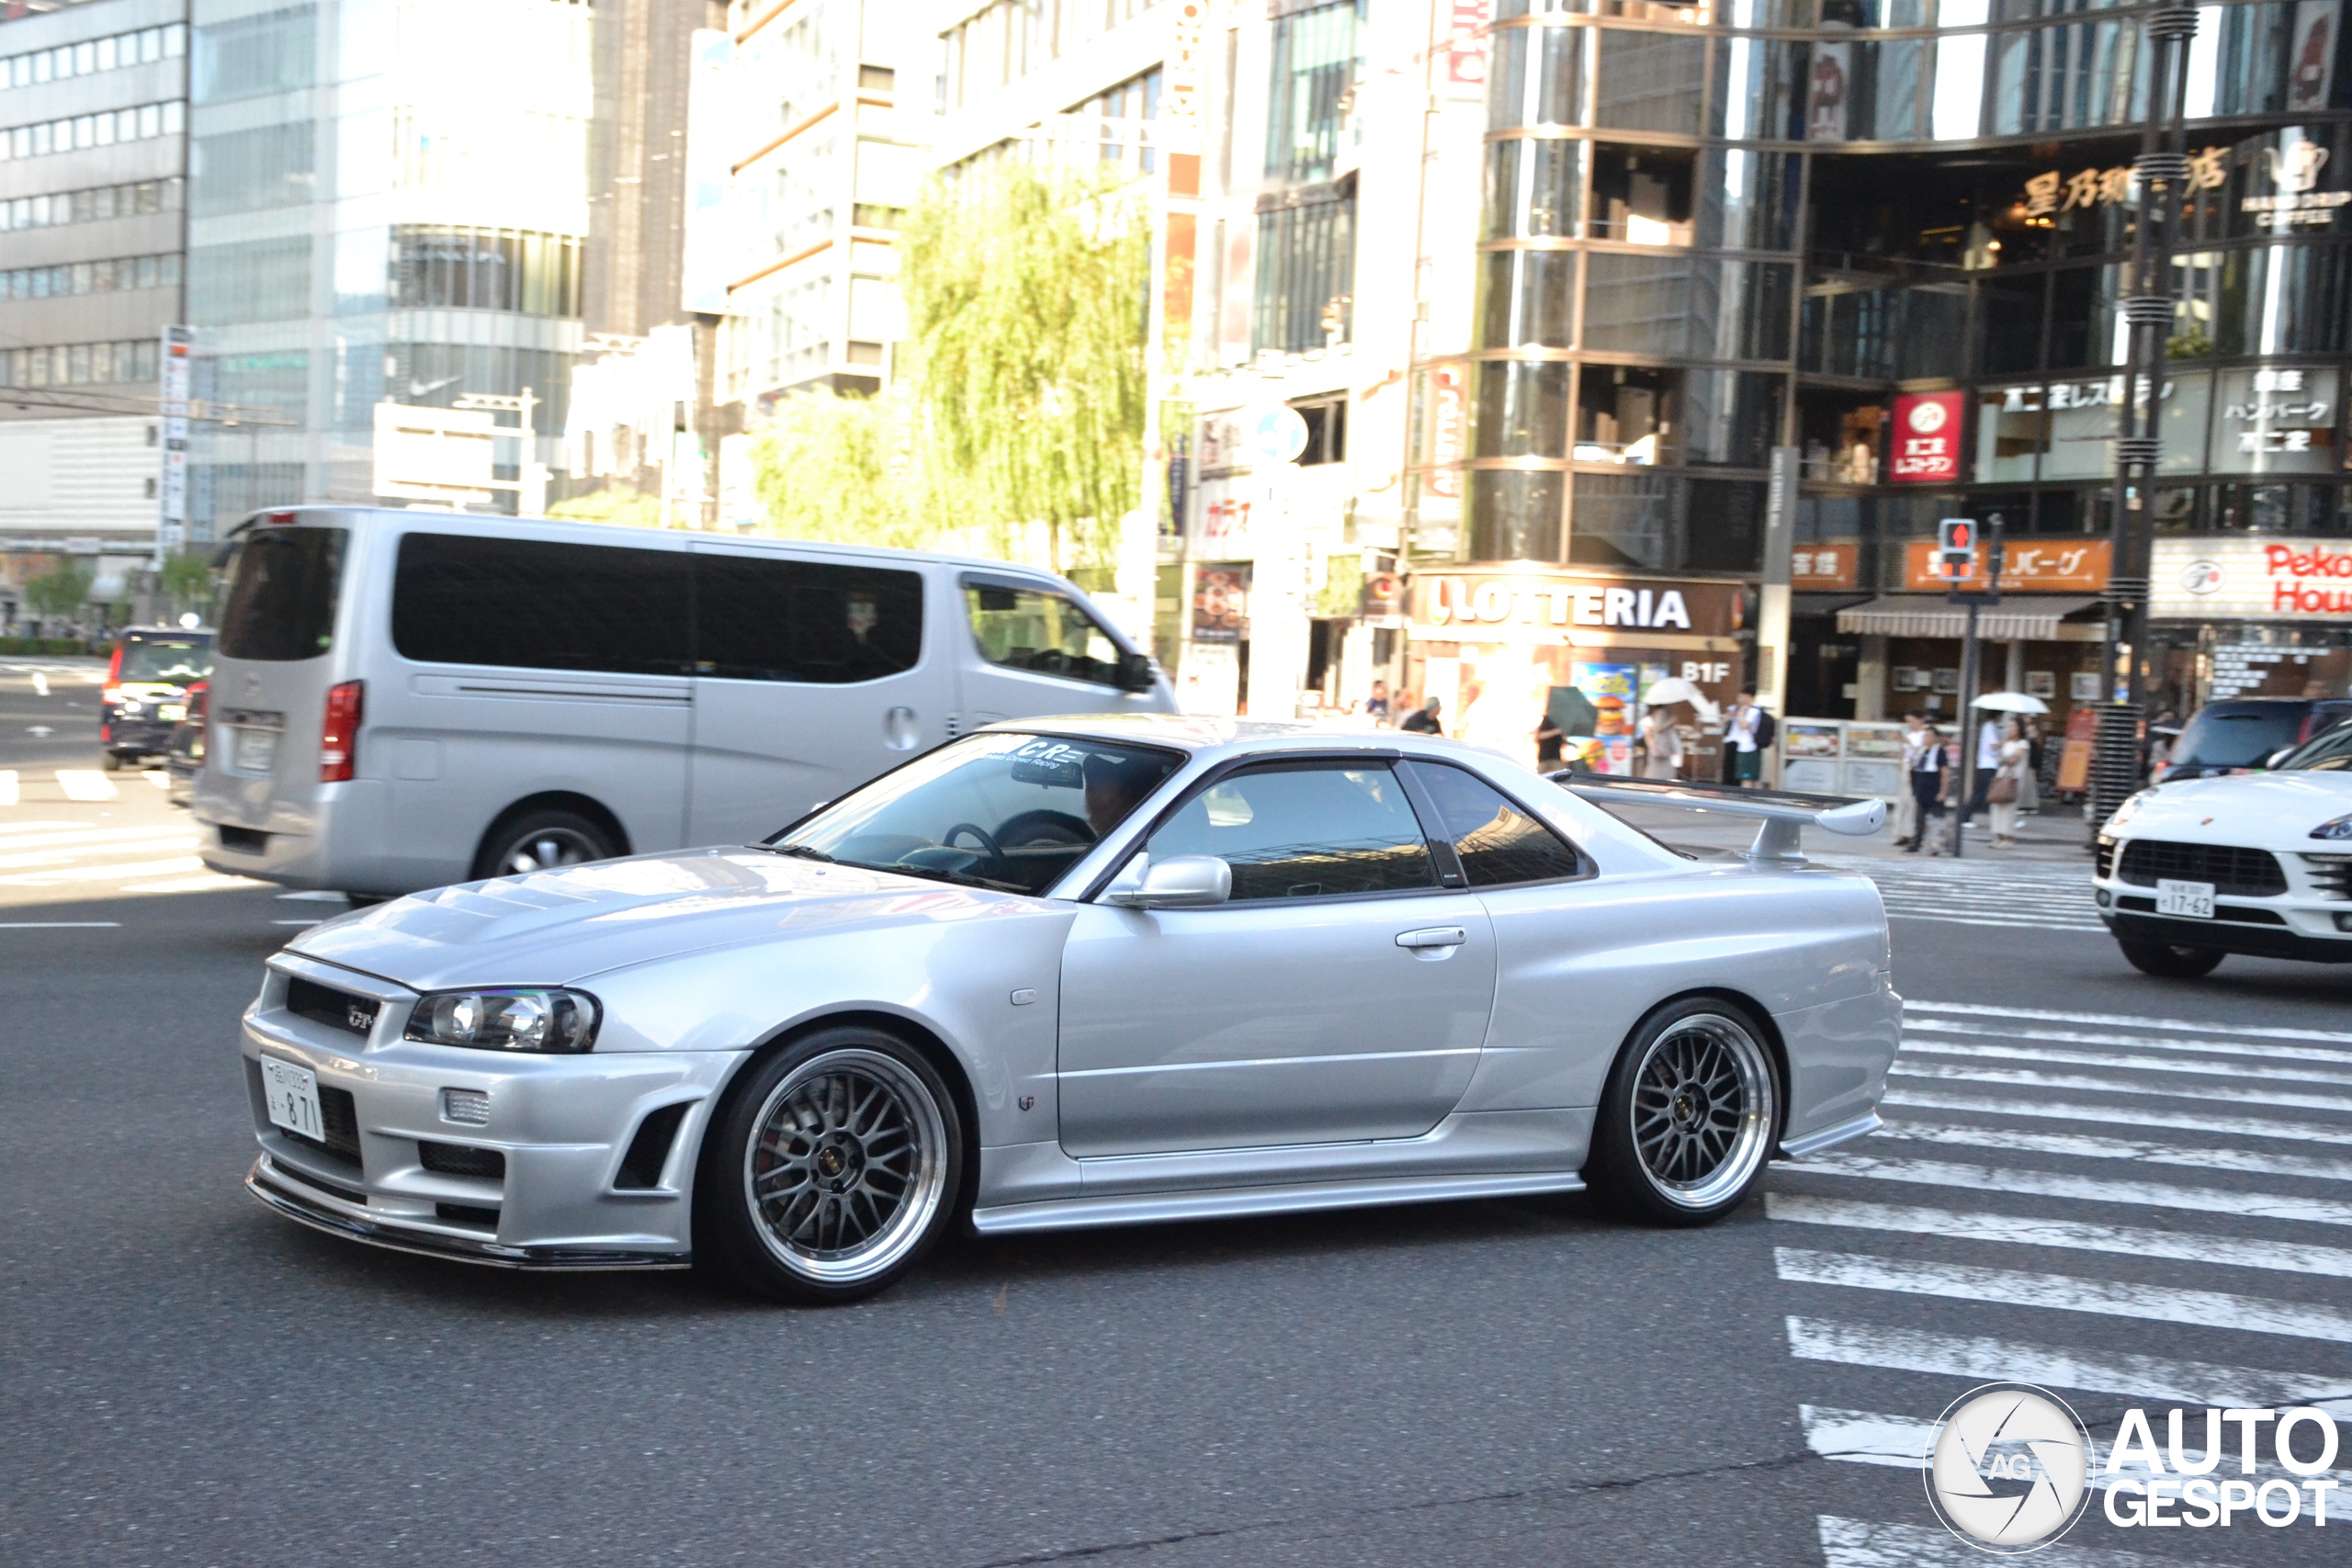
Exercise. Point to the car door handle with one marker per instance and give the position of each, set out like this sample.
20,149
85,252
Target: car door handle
1433,936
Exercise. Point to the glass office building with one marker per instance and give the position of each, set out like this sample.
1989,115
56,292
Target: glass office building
387,202
1710,231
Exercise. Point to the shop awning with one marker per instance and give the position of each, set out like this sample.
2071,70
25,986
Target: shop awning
2017,618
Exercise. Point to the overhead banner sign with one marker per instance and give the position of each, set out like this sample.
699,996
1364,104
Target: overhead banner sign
2254,580
1926,438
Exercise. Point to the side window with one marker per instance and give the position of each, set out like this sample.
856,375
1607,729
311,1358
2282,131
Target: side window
1312,832
1499,843
769,618
1039,630
537,604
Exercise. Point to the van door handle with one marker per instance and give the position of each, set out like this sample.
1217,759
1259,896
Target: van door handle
899,732
1433,936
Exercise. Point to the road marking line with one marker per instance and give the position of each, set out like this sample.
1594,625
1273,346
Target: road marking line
2126,1020
2064,1292
40,685
2097,1371
1857,1543
2024,1079
7,828
2002,925
2125,1115
84,783
158,777
1866,1437
102,873
2228,1252
8,787
208,880
2089,1146
58,925
311,897
2267,1051
2122,1060
2093,1190
69,856
83,834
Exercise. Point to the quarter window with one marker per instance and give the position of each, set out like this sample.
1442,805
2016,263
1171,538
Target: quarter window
536,604
1499,843
764,618
1314,831
1038,630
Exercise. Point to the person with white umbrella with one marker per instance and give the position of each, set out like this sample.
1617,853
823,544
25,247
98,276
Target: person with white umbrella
1662,752
1993,761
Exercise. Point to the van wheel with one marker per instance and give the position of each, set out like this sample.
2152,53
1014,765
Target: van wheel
2169,963
543,840
112,761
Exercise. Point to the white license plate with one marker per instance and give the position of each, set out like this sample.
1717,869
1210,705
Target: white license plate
292,1095
256,750
2194,900
172,713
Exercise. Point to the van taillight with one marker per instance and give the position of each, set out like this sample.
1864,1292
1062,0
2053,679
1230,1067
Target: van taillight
199,700
339,737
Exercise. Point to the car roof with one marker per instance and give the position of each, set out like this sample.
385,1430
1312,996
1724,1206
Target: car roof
1200,734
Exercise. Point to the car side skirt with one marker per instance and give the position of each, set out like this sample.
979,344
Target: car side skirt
1134,1210
1830,1137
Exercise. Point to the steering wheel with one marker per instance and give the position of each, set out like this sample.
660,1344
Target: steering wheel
1045,827
1050,661
995,853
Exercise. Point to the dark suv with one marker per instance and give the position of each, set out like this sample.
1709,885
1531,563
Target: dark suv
145,693
2243,733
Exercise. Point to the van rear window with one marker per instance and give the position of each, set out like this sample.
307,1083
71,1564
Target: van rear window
538,604
281,601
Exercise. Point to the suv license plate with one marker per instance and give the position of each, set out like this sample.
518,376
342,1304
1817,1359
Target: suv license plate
292,1095
2194,900
256,750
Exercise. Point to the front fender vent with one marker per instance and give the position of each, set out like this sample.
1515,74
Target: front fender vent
650,1150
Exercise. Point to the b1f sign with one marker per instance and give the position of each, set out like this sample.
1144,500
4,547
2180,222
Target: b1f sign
1926,439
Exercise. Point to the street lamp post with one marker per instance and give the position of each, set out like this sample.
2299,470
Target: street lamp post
2148,305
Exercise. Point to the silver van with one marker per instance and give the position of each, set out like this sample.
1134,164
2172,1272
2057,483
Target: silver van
405,699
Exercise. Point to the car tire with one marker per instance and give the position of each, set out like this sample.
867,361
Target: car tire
543,840
111,761
2169,963
1689,1117
833,1166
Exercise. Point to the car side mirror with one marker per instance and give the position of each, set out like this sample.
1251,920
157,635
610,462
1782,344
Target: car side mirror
1137,673
1180,882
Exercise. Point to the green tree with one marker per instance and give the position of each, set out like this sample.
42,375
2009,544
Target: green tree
186,581
59,592
1026,293
840,469
621,504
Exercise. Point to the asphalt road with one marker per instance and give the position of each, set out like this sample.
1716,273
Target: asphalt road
2109,1201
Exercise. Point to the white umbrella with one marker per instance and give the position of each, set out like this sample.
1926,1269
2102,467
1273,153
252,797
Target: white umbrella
2010,702
1675,689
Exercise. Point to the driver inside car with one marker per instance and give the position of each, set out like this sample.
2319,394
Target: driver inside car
1115,786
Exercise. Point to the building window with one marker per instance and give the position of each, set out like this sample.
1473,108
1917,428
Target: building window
1313,92
1327,430
1305,267
485,269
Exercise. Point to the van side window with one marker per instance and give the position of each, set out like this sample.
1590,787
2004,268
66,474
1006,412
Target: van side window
1037,629
537,604
765,619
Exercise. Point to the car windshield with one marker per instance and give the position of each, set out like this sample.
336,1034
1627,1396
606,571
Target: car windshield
2328,753
1012,812
2228,735
171,660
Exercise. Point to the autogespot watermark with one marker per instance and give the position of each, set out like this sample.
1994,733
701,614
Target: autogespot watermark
2010,1468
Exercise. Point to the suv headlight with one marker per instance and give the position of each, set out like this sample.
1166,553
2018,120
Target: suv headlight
525,1019
2341,828
2123,812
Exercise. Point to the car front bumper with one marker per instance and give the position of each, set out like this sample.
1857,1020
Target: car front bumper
2293,939
556,1196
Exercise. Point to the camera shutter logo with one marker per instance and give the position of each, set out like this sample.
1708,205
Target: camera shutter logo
2008,1468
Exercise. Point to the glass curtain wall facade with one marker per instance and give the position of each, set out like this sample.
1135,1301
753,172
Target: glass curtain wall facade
1710,230
387,202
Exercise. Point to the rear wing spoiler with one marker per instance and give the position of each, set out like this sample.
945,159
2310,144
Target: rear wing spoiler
1785,813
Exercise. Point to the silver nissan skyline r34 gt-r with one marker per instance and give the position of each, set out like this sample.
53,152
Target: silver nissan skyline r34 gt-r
1077,972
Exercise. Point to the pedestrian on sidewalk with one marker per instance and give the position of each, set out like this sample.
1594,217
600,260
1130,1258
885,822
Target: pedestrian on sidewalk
1931,777
1988,759
1916,737
1424,720
1749,732
2009,784
1661,745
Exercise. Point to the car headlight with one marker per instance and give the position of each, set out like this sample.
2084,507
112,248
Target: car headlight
2123,812
2340,827
525,1019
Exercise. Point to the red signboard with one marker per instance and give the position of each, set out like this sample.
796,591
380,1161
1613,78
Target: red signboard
1926,438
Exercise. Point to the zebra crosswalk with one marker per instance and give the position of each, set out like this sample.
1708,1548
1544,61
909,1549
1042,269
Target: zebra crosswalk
2033,894
65,852
2174,1229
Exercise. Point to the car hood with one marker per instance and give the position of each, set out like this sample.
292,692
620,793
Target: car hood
2272,810
558,926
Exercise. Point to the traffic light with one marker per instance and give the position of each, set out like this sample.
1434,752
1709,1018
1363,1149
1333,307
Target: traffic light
1956,549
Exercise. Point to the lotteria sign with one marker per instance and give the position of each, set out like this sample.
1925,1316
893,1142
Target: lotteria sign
1926,439
2251,580
1474,605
